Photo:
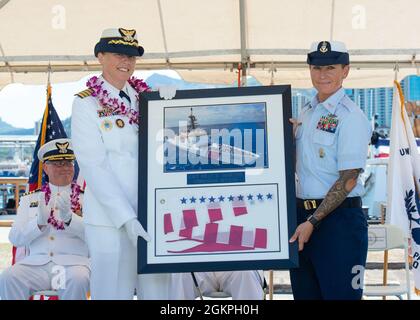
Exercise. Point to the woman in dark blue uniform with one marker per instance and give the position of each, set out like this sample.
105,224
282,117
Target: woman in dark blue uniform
332,136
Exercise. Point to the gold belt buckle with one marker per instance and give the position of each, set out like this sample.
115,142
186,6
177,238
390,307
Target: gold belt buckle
309,204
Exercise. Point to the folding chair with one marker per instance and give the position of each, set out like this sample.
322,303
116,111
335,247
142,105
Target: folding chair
217,295
44,295
382,238
224,295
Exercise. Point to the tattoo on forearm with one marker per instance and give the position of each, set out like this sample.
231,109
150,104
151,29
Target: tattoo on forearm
338,192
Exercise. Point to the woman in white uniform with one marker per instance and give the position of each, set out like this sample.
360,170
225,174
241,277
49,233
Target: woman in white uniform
105,138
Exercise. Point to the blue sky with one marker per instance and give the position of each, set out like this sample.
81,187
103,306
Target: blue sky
217,114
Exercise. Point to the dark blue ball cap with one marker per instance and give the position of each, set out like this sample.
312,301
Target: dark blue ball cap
325,53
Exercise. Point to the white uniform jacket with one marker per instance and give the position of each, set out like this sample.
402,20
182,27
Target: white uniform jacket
106,147
64,247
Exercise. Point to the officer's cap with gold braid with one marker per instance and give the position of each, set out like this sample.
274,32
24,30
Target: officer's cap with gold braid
56,150
325,53
119,40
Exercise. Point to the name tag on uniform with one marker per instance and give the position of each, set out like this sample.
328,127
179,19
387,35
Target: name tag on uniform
106,112
33,204
328,123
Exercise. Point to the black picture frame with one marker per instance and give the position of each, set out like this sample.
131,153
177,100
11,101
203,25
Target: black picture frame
277,100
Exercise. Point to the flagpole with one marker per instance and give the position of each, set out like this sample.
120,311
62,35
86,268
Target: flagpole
44,124
386,257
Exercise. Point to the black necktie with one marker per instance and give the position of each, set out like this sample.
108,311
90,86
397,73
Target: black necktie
124,95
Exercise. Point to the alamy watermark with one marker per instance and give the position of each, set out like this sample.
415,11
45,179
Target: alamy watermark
222,146
58,20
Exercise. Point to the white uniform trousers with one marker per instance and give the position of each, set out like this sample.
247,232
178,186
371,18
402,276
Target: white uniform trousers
241,285
19,281
114,268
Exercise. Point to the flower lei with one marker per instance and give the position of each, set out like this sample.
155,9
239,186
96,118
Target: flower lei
74,199
115,104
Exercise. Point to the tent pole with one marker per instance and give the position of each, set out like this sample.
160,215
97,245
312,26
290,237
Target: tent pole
244,53
49,74
332,20
239,74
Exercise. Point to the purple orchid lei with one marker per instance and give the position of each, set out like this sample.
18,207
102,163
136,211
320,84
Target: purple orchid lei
117,107
74,199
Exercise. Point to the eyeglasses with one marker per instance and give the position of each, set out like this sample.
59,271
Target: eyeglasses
64,163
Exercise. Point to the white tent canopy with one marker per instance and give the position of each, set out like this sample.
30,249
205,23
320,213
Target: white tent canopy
207,40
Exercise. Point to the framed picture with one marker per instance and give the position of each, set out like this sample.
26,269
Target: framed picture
216,180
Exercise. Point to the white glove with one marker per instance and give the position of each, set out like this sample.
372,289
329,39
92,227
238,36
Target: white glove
296,123
43,210
64,207
167,92
134,230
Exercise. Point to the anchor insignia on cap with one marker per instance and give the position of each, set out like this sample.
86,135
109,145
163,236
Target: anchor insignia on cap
324,47
128,35
62,147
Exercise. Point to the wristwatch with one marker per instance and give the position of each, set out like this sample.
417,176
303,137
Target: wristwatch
314,221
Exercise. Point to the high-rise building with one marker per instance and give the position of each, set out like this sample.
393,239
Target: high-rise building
411,88
37,127
299,98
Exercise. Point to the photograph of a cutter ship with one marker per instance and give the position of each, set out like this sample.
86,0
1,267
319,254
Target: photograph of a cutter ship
216,137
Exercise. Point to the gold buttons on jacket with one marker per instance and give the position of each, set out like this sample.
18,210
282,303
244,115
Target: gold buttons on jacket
51,254
120,123
52,238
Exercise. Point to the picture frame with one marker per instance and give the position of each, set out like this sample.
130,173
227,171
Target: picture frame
216,180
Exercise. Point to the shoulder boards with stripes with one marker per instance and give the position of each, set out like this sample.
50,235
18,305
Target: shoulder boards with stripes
84,93
30,192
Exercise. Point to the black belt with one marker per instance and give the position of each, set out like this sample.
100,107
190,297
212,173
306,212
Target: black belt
312,204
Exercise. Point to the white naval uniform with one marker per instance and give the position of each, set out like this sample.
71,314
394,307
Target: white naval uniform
47,251
108,158
241,285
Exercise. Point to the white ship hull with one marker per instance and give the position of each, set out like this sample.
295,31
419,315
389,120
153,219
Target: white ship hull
213,153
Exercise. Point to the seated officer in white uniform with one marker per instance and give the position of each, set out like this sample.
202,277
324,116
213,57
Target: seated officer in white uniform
241,285
49,225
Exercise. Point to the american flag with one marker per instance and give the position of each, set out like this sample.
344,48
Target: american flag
51,129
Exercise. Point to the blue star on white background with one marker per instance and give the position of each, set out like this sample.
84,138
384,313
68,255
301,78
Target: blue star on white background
250,197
